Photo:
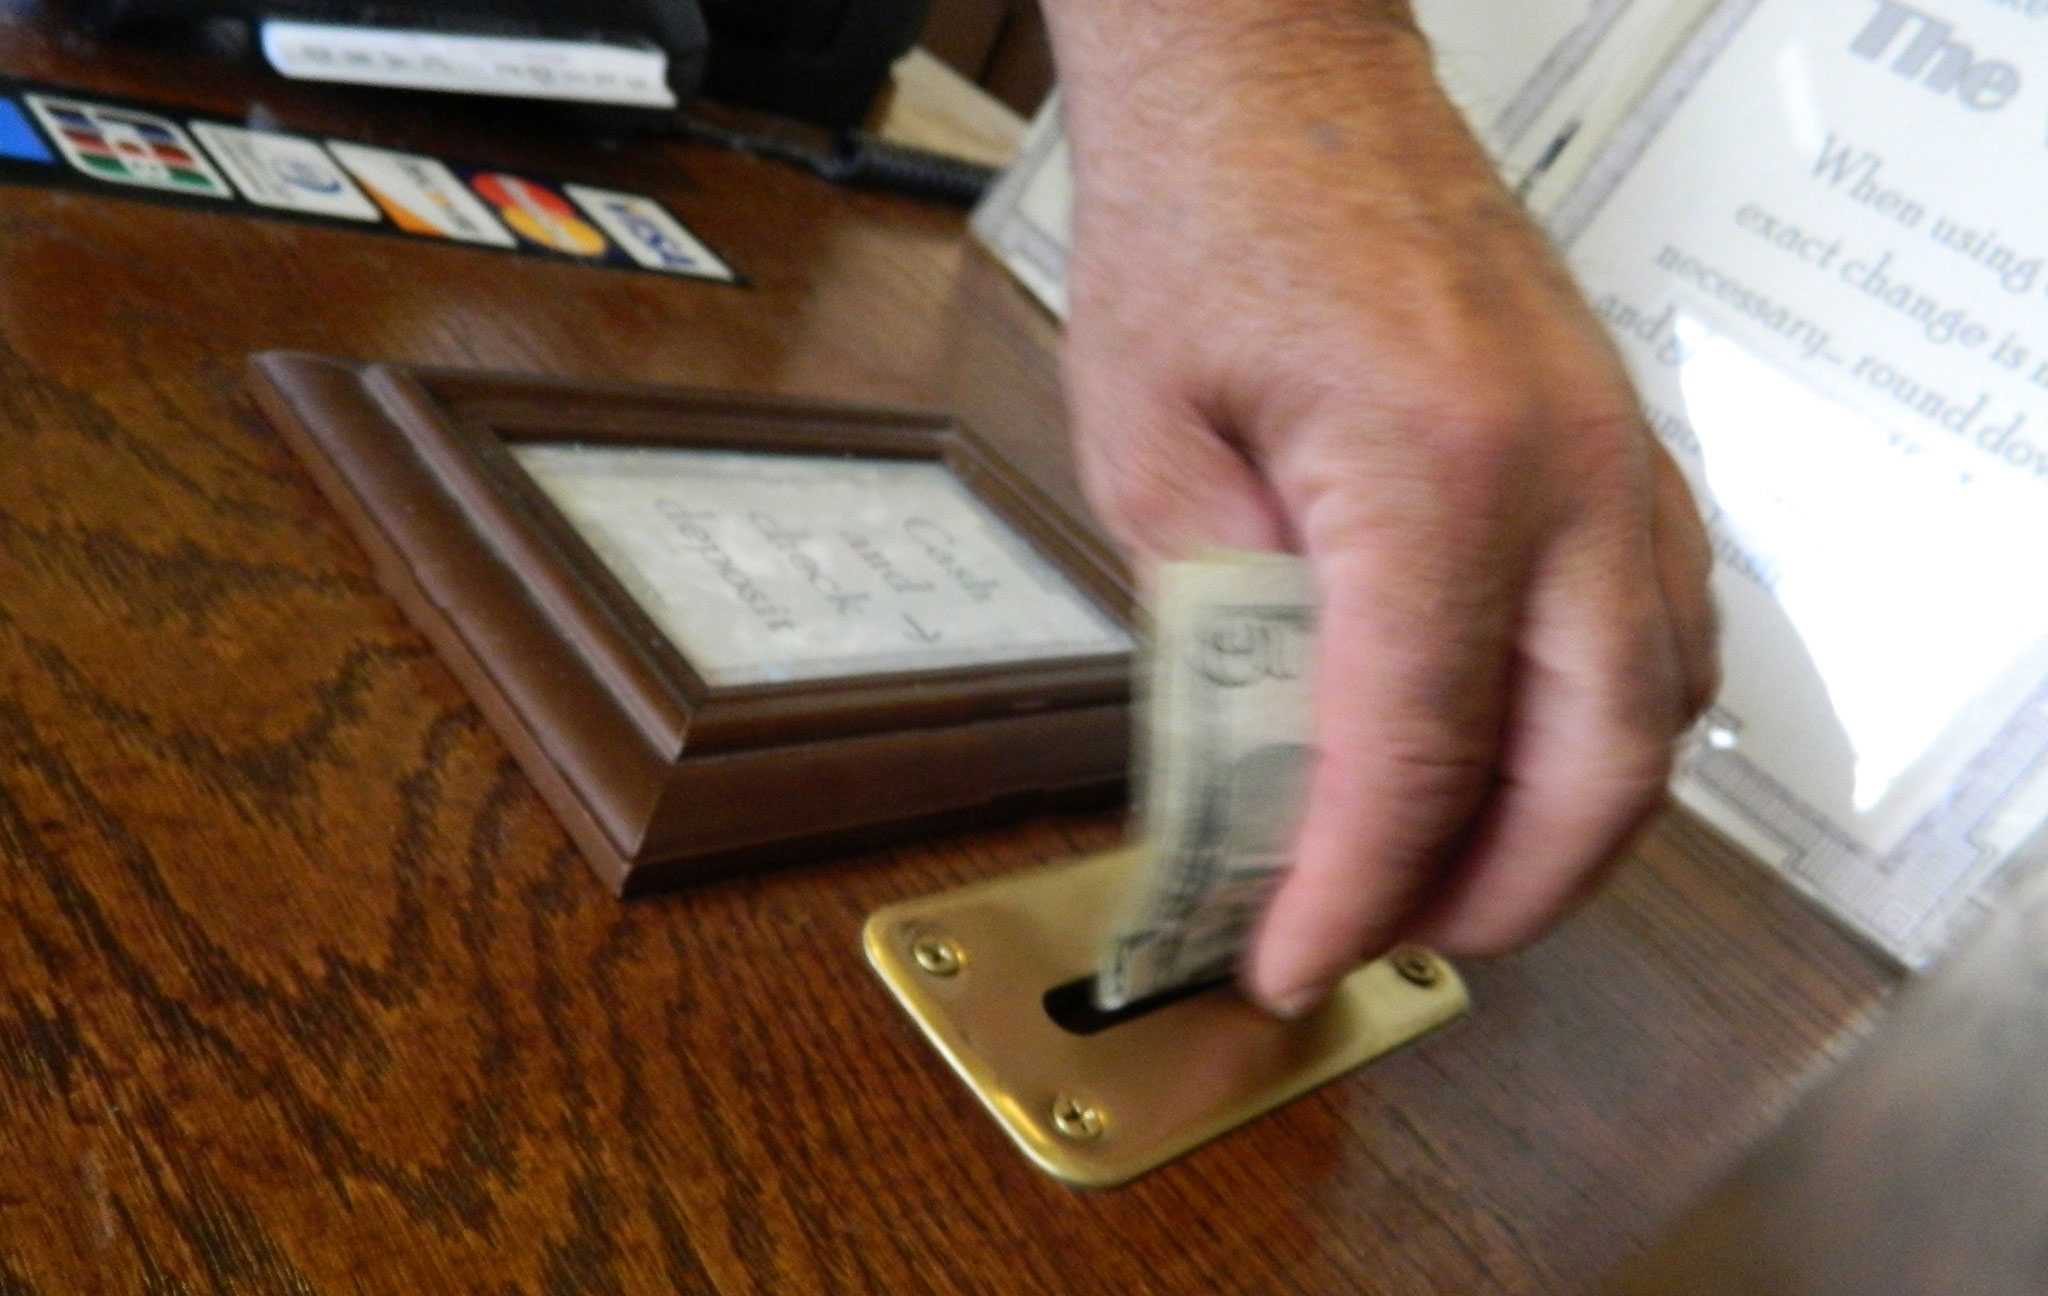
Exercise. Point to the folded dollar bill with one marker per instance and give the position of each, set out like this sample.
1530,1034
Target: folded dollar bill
1221,767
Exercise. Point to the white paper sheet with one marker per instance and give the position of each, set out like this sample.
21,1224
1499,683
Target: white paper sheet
1821,243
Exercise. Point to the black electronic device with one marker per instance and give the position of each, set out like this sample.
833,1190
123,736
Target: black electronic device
820,61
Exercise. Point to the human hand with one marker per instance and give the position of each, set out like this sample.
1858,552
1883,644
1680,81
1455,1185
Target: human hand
1305,315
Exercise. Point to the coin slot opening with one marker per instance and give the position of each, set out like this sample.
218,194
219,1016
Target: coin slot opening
1072,1005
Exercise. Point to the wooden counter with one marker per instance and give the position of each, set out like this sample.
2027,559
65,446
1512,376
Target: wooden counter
303,990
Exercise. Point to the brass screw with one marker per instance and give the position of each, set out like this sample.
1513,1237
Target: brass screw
936,955
1417,966
1075,1119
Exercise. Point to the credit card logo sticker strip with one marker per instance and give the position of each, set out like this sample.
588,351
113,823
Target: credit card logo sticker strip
421,196
18,139
135,151
539,215
125,146
653,238
286,172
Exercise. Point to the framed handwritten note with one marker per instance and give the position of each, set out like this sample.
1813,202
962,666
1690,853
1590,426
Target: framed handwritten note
764,568
723,631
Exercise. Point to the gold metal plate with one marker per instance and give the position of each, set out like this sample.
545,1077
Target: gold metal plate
973,966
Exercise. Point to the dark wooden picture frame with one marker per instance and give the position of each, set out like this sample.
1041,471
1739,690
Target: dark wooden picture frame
658,776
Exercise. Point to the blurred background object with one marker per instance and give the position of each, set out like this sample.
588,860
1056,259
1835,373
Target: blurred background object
1000,45
793,80
817,61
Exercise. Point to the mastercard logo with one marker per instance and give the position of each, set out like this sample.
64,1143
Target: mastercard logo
540,215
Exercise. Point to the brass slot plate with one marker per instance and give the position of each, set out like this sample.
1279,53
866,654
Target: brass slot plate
972,966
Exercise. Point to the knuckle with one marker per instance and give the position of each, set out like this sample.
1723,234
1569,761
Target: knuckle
1120,488
1480,411
1436,782
1637,765
1421,779
1648,711
1703,683
1139,495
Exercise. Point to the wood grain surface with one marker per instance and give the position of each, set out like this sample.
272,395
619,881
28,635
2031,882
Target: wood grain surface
302,990
1917,1171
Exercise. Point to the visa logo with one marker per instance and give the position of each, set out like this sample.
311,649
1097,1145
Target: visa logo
648,234
651,236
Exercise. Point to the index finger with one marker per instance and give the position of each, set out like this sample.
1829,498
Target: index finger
1412,667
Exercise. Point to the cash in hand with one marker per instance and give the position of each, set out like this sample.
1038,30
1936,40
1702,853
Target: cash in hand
1221,767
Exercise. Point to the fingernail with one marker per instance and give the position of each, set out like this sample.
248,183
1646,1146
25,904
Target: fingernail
1299,1003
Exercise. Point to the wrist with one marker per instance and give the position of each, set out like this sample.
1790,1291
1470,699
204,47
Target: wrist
1176,108
1174,84
1110,52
